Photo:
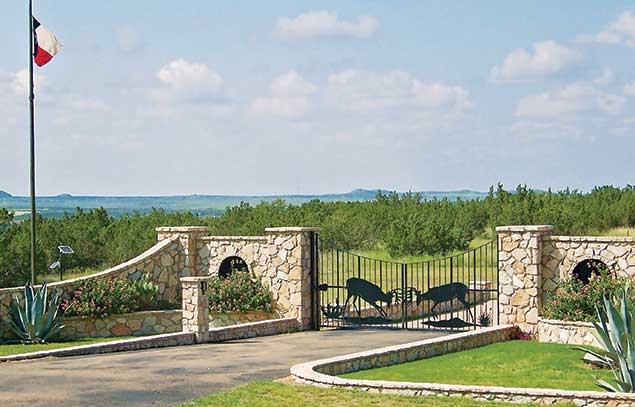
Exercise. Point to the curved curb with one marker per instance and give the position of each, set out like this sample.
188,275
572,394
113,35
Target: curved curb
323,373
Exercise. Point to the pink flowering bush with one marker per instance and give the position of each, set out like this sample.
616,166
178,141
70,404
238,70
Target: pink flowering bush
576,301
100,298
238,293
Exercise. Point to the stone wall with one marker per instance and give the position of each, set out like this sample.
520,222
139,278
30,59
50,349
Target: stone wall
561,254
533,263
132,324
162,264
281,260
518,274
567,332
234,318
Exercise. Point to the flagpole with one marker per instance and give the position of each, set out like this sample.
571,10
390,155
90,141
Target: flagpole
32,142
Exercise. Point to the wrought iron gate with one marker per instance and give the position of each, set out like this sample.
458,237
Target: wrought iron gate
458,292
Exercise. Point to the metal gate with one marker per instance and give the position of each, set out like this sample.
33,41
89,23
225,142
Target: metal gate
458,292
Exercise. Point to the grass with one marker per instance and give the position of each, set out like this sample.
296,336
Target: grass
15,349
508,364
270,394
621,231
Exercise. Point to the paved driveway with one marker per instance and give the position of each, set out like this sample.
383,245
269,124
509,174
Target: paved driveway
161,377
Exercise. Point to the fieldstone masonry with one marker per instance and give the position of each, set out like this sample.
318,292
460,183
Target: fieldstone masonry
195,307
531,265
519,274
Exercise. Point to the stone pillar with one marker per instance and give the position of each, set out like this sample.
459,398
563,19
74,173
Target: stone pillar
289,271
187,236
519,264
195,307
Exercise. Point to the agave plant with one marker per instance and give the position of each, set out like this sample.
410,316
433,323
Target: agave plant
38,318
485,319
615,332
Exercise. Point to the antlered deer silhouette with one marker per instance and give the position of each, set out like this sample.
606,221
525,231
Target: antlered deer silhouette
367,291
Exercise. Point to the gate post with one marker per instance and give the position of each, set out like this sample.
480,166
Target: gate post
195,307
519,278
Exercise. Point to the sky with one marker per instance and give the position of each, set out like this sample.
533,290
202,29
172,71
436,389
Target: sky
300,97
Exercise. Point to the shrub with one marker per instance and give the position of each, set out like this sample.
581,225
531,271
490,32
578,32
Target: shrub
238,293
37,318
100,298
576,301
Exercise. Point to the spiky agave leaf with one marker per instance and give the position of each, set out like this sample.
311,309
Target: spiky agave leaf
39,318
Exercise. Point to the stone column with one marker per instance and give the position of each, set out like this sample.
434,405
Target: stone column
289,250
187,236
519,259
195,307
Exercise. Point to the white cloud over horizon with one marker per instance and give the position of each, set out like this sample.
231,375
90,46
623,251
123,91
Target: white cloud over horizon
364,91
316,24
184,81
547,58
289,97
569,100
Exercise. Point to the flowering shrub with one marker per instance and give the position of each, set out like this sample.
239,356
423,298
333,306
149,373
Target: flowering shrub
576,301
100,298
517,334
238,293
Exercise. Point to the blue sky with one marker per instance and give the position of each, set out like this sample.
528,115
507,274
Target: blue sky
252,97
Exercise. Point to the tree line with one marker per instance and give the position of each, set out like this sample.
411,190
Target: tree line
402,224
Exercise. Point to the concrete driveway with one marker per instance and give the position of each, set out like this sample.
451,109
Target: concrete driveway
162,377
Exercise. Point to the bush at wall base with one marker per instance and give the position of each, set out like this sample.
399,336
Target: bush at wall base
238,292
38,318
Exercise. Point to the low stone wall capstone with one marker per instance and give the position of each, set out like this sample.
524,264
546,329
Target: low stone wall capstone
254,329
217,320
133,324
566,332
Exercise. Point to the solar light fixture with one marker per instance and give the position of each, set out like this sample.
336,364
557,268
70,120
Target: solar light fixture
65,249
61,250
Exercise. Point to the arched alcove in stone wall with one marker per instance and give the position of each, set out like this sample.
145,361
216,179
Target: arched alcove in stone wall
587,268
232,264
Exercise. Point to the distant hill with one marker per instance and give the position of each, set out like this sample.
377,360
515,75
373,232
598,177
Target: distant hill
55,206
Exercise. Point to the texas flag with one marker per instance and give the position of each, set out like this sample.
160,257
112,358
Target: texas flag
45,45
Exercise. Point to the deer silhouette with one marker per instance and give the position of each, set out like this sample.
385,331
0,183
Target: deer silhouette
443,293
367,291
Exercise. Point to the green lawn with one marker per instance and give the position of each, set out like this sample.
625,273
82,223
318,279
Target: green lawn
508,364
15,349
270,394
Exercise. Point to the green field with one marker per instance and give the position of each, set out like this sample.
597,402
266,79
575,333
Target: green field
270,394
507,364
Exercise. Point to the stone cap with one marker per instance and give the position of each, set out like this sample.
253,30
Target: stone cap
293,229
182,229
525,228
194,279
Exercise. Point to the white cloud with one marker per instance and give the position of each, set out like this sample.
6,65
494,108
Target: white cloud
183,81
569,100
620,31
20,82
605,78
289,97
362,91
314,24
629,89
547,58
